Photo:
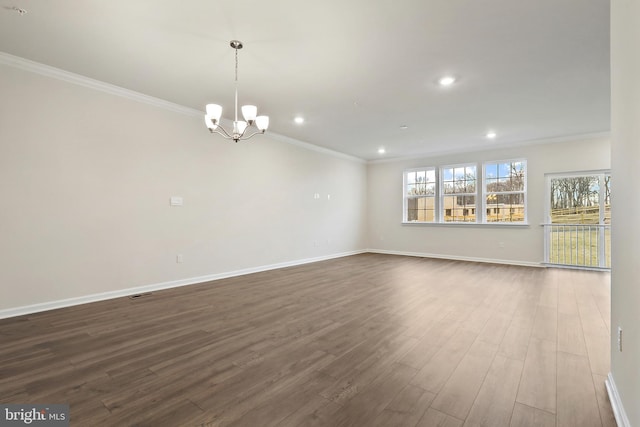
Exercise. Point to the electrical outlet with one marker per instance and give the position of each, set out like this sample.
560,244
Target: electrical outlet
619,338
179,259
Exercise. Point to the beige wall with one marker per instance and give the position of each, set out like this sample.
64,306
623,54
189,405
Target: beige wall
487,242
625,155
86,182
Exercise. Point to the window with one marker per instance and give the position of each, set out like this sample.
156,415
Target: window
458,193
420,195
505,191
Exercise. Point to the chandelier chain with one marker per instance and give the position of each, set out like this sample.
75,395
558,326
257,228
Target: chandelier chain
236,84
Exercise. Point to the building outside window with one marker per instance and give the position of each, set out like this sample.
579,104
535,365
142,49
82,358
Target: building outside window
419,195
505,191
458,193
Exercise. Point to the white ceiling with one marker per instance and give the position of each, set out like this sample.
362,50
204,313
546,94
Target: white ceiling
356,70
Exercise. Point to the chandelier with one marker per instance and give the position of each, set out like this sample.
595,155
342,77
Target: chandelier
240,127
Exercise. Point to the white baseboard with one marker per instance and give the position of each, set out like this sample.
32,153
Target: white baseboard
616,403
458,258
52,305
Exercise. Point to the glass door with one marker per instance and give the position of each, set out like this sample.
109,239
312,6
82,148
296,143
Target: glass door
578,226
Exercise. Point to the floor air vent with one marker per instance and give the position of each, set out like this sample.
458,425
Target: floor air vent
136,296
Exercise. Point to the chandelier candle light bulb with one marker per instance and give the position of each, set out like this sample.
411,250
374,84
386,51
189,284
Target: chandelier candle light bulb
249,112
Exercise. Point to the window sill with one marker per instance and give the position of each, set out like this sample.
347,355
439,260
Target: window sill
470,224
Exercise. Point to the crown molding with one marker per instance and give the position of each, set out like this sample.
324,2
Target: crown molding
312,147
504,145
80,80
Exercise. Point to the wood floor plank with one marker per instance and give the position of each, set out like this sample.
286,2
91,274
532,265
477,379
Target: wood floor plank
590,315
231,399
545,325
363,408
493,406
538,384
570,335
495,328
435,418
460,390
549,292
515,342
598,351
577,404
316,412
436,372
431,342
354,381
283,402
567,303
406,409
526,416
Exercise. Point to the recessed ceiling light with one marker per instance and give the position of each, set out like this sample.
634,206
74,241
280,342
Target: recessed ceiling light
491,135
17,9
299,120
381,151
404,127
447,81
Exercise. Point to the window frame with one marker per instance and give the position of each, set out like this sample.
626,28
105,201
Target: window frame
524,192
406,197
442,194
480,193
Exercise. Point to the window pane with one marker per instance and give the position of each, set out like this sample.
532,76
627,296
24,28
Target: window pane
448,187
458,180
470,172
411,178
504,170
516,174
420,182
491,184
411,189
505,207
470,186
459,209
447,174
491,170
430,189
431,175
575,200
421,209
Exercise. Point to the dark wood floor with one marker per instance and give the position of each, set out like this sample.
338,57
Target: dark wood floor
366,340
